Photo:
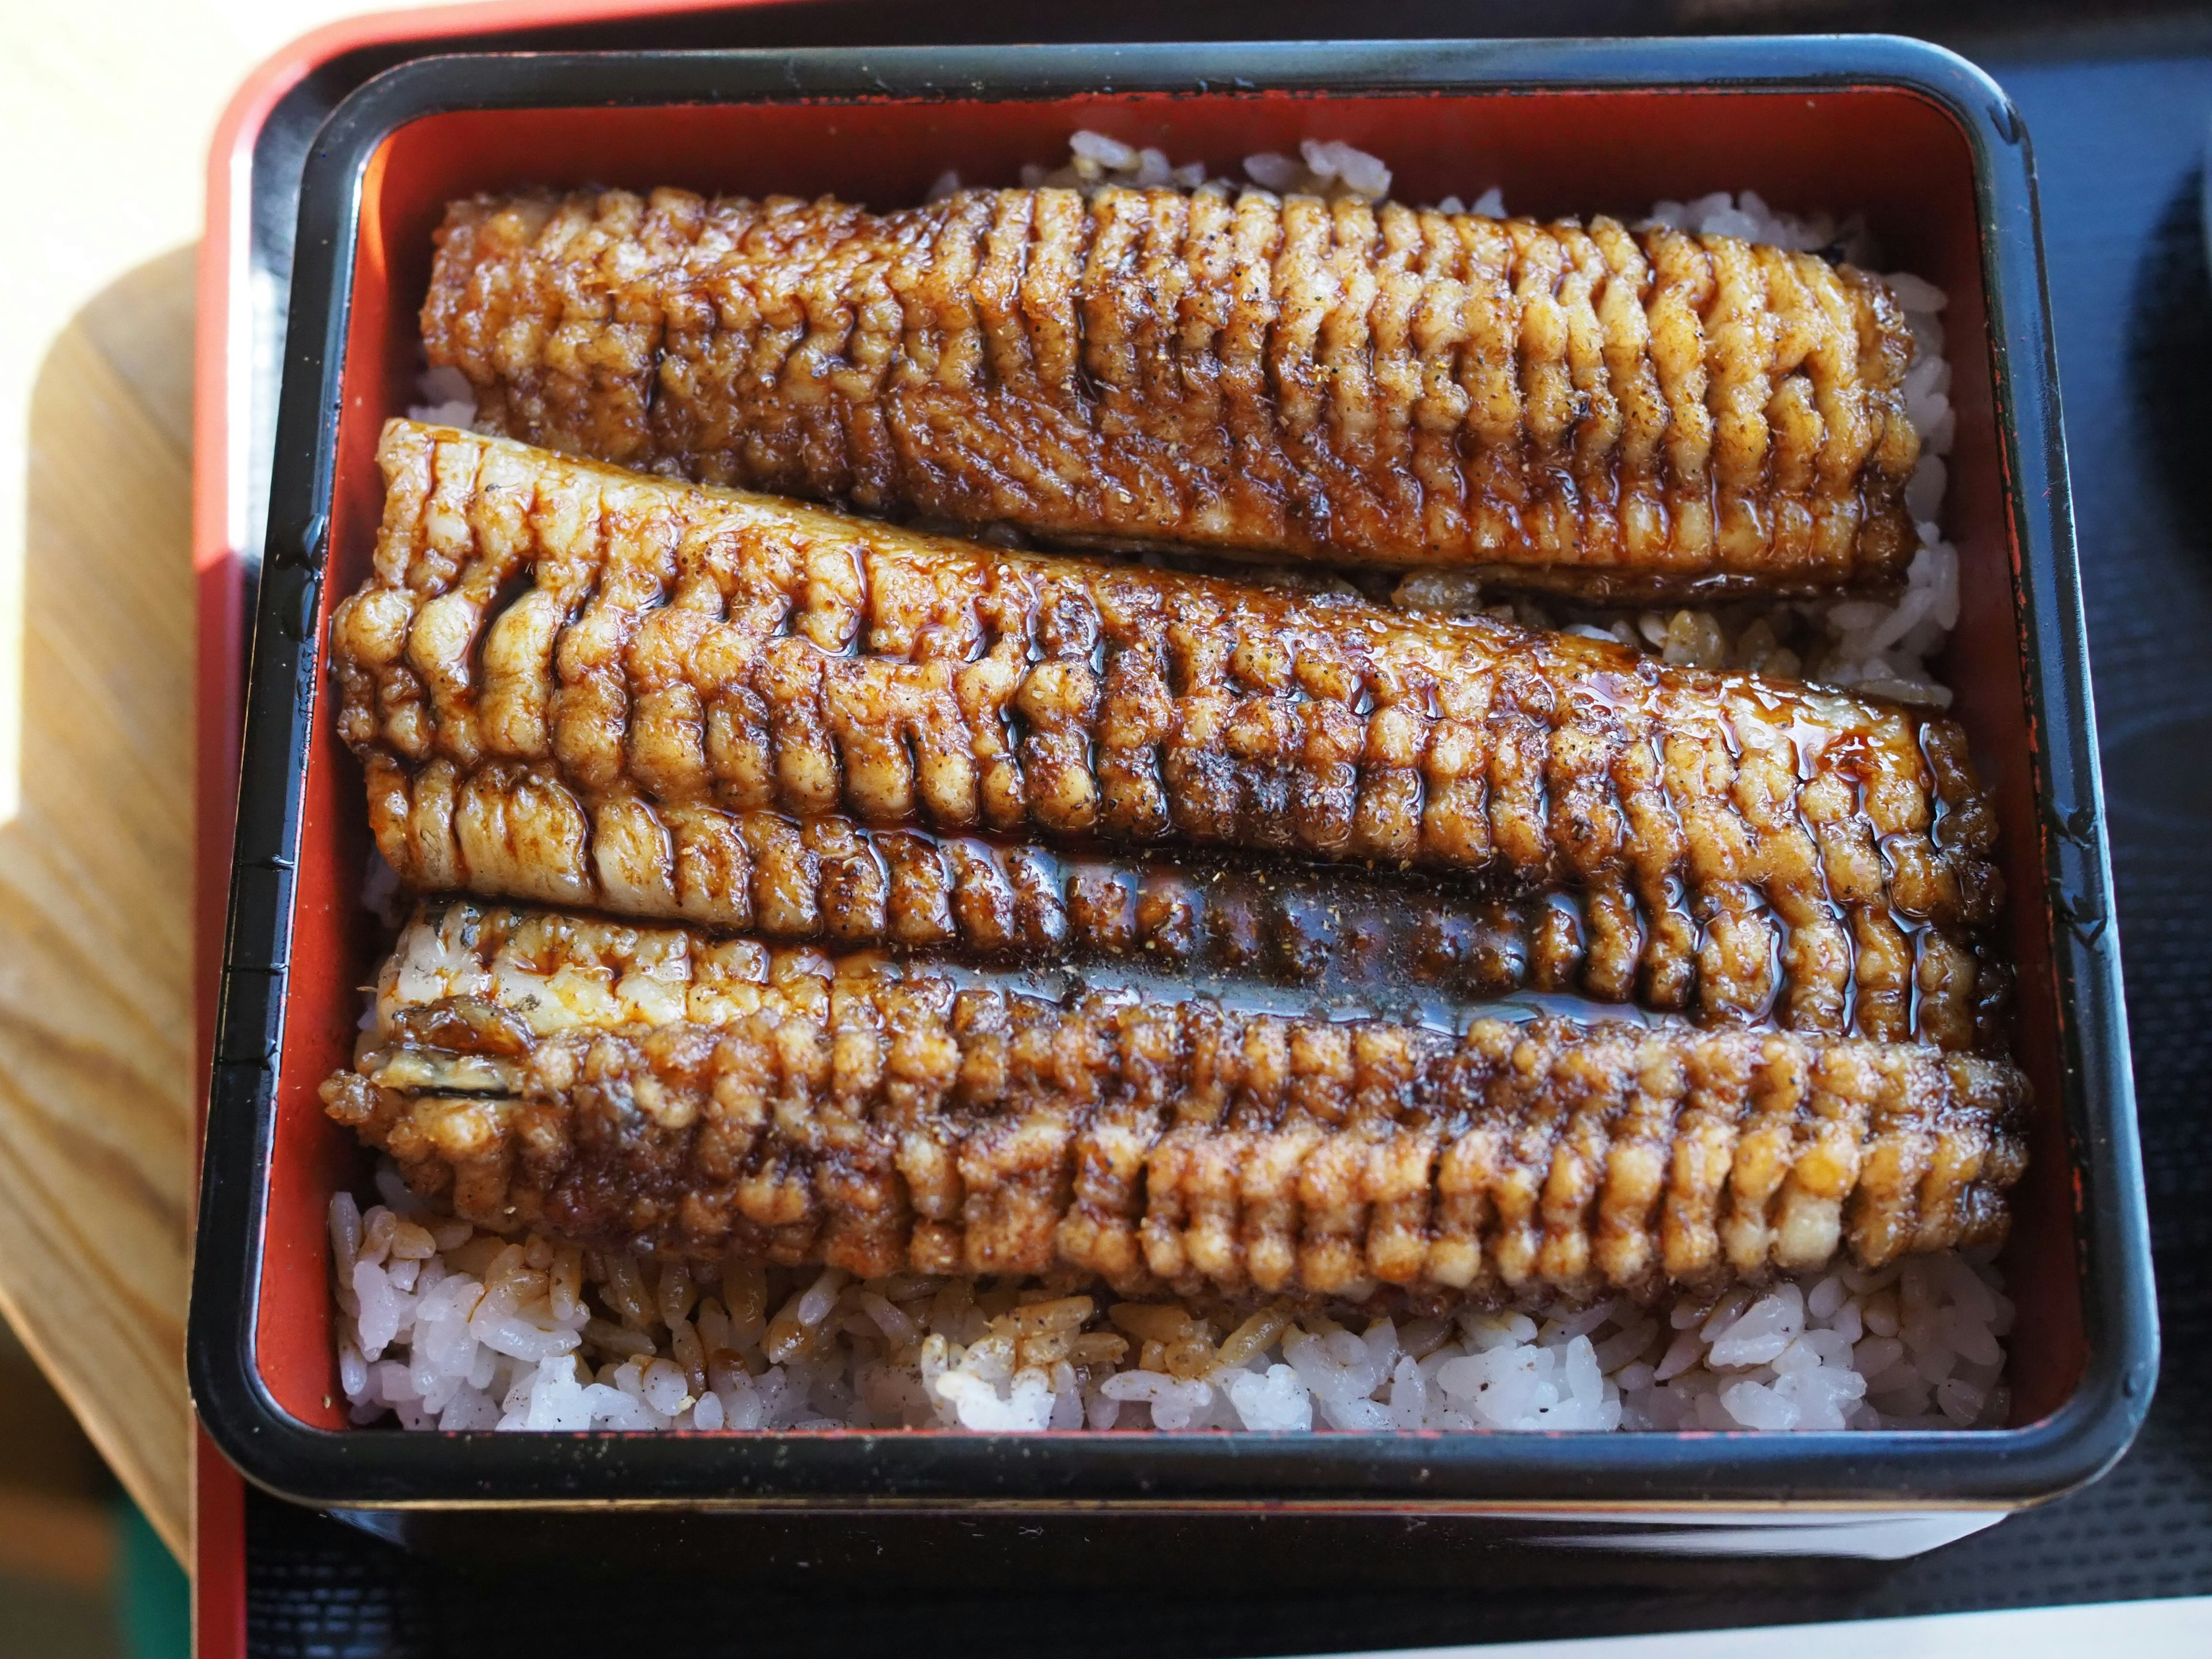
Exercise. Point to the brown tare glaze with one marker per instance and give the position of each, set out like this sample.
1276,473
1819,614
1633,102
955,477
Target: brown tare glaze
658,1090
579,686
1600,411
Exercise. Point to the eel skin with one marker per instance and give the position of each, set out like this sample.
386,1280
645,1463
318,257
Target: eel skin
579,686
1613,413
630,1088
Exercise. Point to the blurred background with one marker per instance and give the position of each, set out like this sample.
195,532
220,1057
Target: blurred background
106,110
60,1516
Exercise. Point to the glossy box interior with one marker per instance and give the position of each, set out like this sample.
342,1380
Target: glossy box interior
1896,156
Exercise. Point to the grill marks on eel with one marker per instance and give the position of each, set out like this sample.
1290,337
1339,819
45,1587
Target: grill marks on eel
578,686
1593,409
655,1089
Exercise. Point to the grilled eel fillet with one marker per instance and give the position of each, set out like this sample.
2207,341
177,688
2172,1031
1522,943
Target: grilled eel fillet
1598,410
579,686
660,1089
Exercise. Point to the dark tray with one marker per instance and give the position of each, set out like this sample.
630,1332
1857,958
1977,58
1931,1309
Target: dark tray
2118,115
1942,167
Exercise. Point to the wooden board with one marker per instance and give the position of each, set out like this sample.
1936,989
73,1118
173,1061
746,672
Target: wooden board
106,107
95,885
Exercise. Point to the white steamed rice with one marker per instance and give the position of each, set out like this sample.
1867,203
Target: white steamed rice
443,1326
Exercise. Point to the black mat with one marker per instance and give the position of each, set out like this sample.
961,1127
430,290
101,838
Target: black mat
2119,118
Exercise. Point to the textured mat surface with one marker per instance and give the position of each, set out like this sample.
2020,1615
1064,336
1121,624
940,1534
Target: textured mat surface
2118,139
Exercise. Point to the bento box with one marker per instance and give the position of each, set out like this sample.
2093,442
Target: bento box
1920,143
